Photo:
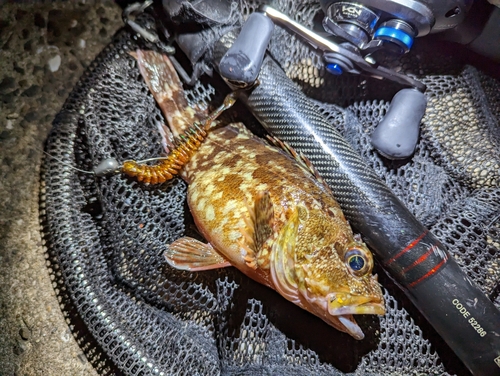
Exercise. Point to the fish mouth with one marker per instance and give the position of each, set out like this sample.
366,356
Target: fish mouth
342,307
346,304
345,319
337,310
363,309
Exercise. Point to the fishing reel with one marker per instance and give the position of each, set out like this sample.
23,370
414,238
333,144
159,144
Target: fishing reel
391,26
356,32
372,25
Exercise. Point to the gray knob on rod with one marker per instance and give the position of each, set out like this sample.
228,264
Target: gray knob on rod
241,64
396,135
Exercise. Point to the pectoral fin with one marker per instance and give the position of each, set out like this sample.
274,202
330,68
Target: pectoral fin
256,239
264,218
192,255
283,273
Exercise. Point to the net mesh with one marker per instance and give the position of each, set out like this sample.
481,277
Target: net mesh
106,236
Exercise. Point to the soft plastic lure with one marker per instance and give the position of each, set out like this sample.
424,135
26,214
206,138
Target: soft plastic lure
184,146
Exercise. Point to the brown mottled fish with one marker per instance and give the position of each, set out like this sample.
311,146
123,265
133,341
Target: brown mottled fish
264,210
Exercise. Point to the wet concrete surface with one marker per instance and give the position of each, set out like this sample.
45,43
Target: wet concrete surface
44,49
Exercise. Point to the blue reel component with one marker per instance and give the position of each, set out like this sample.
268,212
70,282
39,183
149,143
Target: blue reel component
334,69
396,32
389,32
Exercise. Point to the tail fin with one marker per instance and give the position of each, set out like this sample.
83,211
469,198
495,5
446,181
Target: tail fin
166,87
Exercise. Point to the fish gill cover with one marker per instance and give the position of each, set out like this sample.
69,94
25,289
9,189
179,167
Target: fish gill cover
135,315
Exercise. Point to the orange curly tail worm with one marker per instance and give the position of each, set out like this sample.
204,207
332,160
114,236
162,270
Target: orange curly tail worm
169,166
187,144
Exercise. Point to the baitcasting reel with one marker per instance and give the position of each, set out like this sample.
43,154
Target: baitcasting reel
360,30
371,25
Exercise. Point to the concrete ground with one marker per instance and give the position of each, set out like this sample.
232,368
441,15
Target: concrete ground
44,49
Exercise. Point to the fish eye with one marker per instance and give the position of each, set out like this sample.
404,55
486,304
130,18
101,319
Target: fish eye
357,261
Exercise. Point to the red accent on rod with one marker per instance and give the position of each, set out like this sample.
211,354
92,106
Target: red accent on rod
408,247
428,274
419,260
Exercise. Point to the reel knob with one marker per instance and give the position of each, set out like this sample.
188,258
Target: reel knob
396,135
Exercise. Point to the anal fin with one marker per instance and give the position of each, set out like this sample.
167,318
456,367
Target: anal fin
190,254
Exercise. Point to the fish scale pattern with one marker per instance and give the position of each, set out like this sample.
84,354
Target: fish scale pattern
134,315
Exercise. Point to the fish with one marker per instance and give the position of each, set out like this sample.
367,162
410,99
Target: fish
264,209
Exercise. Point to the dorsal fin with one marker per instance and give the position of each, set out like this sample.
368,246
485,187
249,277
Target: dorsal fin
301,159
